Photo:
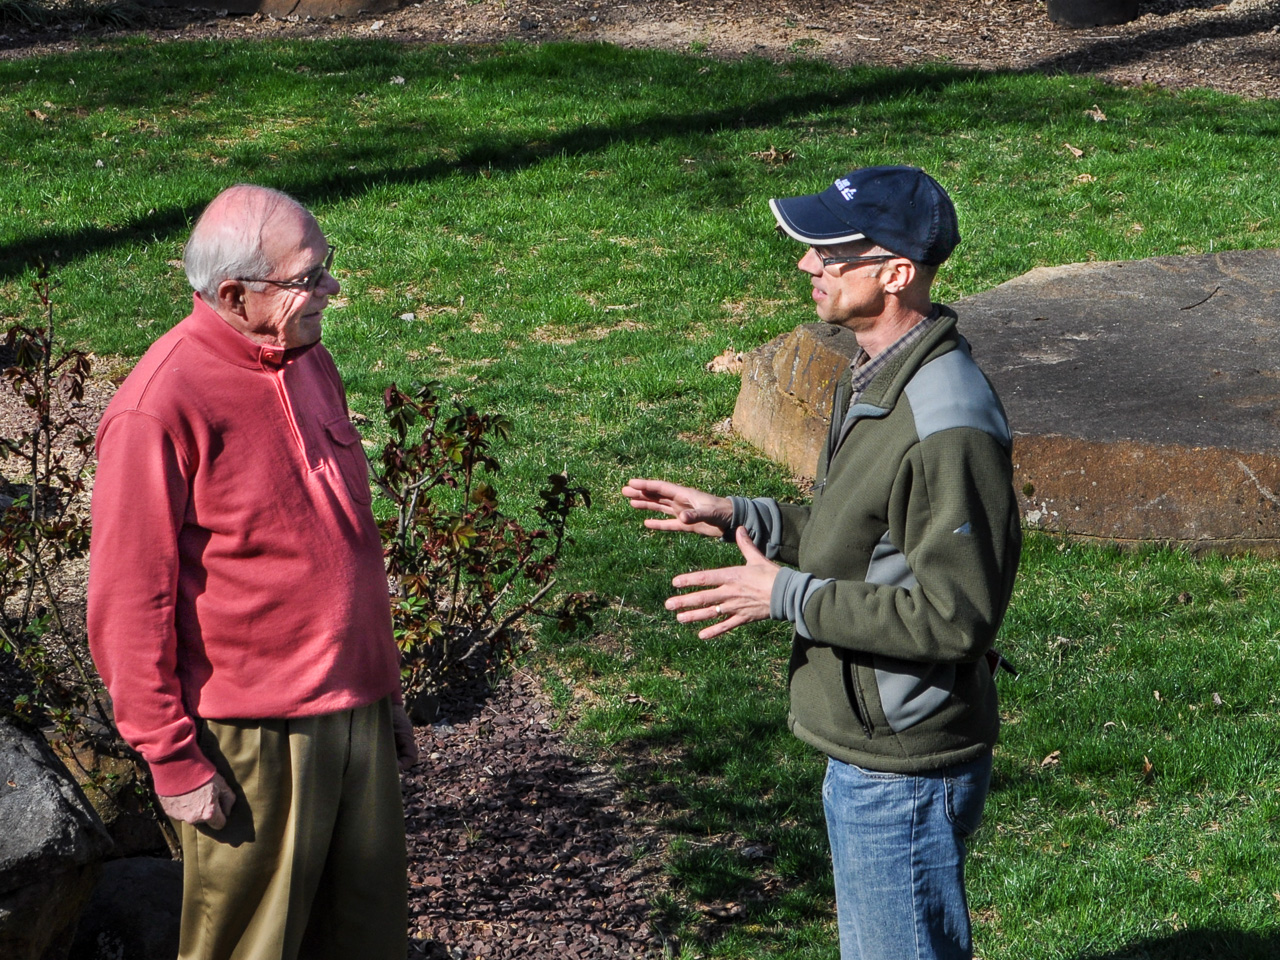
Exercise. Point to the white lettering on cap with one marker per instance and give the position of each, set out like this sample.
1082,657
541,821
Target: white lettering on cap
845,189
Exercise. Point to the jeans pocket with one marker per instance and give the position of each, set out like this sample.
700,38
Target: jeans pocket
884,776
966,794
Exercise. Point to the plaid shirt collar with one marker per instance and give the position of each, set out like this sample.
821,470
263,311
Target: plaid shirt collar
864,367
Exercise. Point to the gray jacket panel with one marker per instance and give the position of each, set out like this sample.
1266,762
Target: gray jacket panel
951,392
909,691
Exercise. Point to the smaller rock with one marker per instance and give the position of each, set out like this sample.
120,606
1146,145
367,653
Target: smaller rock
134,913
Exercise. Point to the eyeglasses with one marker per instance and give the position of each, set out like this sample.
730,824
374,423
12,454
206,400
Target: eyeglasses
831,261
307,282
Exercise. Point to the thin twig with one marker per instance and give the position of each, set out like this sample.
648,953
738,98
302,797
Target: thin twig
1205,300
520,611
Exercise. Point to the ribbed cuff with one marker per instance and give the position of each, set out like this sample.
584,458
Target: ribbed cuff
182,772
762,520
791,592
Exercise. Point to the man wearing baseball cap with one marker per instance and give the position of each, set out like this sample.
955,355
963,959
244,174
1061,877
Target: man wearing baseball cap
899,572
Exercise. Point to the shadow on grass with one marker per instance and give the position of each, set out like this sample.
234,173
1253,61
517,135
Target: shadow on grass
729,99
391,152
746,835
487,153
1204,944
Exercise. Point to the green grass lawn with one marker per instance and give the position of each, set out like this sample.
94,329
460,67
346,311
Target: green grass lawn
567,234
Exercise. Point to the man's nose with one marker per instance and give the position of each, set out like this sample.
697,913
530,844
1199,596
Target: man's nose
811,263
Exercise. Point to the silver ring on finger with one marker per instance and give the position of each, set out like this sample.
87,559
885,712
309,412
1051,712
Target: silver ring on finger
717,609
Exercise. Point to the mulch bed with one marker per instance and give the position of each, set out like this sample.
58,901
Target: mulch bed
516,847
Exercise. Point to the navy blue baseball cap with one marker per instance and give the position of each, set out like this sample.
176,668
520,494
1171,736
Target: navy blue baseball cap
902,209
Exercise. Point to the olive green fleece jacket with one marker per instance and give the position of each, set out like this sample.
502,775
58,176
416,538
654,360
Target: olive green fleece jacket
907,557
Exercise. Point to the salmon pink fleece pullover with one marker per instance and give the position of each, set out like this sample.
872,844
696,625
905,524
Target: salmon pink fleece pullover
236,570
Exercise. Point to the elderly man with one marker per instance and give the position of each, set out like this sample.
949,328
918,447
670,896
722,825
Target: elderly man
238,605
906,561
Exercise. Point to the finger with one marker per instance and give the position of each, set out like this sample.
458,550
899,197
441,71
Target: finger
721,628
408,755
748,546
655,523
679,526
661,506
699,598
648,486
217,819
646,490
706,578
700,614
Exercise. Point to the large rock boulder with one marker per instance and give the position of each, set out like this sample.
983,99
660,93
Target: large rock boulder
1144,396
51,849
135,912
784,405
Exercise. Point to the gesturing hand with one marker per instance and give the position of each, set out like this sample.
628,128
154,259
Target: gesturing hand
209,803
739,594
692,511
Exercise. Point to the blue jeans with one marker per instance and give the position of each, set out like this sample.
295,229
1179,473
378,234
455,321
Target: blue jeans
897,845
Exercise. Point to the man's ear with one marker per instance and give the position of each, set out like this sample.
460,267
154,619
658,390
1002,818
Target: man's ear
898,276
231,297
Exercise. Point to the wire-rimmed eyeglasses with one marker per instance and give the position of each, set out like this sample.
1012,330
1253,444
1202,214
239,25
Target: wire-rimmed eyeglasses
307,282
874,258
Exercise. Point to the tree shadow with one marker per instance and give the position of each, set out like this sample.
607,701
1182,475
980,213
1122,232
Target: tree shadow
490,152
338,172
1206,943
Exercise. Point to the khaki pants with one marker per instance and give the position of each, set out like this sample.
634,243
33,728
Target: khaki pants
311,864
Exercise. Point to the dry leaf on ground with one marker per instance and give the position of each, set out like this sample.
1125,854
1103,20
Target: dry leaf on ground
728,362
773,155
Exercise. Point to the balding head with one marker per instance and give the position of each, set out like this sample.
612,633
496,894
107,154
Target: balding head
233,237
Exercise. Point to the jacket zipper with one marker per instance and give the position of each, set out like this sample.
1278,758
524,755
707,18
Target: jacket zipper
838,410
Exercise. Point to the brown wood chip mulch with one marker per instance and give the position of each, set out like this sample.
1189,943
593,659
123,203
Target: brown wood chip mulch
516,847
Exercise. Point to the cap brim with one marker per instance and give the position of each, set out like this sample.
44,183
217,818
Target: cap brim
809,220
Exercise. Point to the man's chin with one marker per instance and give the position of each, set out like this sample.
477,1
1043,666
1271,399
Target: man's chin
307,333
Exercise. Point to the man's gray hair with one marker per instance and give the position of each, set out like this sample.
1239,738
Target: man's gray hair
223,247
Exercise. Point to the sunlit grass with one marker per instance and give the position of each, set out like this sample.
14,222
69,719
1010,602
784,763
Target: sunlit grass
567,234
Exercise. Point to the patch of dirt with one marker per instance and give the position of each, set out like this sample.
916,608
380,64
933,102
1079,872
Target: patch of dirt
1233,47
516,847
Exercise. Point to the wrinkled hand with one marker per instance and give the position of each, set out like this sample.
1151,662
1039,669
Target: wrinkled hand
739,594
692,510
406,745
207,804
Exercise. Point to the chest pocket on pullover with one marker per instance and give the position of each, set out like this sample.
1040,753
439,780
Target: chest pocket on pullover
349,457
